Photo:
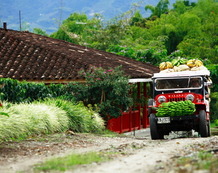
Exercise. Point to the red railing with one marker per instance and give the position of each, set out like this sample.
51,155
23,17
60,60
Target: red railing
127,122
133,120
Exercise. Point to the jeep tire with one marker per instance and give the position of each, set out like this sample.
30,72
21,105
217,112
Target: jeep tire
154,131
203,124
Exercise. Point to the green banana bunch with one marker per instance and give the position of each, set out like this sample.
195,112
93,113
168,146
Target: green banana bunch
178,61
179,108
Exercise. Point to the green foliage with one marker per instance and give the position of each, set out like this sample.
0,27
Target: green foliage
49,116
216,123
31,119
182,6
150,55
214,91
109,90
66,163
190,28
14,91
161,8
39,31
57,90
213,106
82,119
3,113
214,75
179,108
137,20
77,28
201,160
11,90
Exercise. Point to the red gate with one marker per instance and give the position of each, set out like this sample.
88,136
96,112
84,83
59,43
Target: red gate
132,120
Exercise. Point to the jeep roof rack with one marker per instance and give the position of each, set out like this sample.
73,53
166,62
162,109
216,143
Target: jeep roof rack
182,73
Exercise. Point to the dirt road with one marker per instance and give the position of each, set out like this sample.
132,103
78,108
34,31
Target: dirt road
138,152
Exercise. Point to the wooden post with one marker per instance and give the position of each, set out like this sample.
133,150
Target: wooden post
139,98
145,122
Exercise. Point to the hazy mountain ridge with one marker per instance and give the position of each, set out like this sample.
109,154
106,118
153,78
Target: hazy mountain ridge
48,14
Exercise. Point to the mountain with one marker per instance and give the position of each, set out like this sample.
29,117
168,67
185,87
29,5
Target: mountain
48,14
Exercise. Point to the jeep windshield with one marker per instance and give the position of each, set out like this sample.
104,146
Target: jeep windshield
178,83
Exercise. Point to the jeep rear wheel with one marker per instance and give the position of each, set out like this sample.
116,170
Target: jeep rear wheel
204,125
154,131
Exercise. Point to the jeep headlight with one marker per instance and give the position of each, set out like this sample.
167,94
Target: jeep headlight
161,99
190,97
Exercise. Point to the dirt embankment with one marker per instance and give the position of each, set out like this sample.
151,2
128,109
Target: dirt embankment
137,153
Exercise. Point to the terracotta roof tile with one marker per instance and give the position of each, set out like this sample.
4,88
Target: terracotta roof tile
28,56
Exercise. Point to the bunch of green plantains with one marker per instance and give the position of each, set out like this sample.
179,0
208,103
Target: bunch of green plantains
179,108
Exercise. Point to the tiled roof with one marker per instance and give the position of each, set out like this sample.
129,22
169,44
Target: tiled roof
28,56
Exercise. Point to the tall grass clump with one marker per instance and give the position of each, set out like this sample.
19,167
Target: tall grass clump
31,119
82,118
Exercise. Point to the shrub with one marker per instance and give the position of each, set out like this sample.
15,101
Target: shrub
31,119
82,118
214,105
16,92
216,123
109,90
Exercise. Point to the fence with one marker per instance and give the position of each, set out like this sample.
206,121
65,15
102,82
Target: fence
129,121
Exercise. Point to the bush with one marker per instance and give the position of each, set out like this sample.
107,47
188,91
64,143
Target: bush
214,105
45,117
216,122
16,92
82,119
109,90
31,119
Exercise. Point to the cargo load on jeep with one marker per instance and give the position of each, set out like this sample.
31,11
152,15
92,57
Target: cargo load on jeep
180,99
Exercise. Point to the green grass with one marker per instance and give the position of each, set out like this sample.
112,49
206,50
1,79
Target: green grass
19,121
82,119
214,128
214,124
68,162
214,131
199,161
108,133
31,119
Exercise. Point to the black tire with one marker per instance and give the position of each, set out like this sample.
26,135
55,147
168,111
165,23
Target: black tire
208,125
154,131
203,124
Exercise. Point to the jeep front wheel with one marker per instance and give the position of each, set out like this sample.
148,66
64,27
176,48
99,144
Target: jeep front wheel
203,124
154,131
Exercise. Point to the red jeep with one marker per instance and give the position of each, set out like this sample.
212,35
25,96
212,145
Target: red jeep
180,86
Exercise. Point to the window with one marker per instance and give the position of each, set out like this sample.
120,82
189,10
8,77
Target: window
179,83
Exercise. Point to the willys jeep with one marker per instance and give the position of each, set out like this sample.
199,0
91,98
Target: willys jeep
175,87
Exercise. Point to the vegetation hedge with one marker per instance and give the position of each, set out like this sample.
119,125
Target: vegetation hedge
26,120
45,117
214,105
108,89
82,118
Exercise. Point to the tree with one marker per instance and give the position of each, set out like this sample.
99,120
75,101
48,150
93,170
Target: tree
182,6
39,31
78,29
161,8
108,89
138,20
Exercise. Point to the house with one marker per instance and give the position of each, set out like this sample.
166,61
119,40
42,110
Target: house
32,57
35,58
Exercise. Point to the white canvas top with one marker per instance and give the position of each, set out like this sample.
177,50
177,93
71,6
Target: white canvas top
182,73
140,80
